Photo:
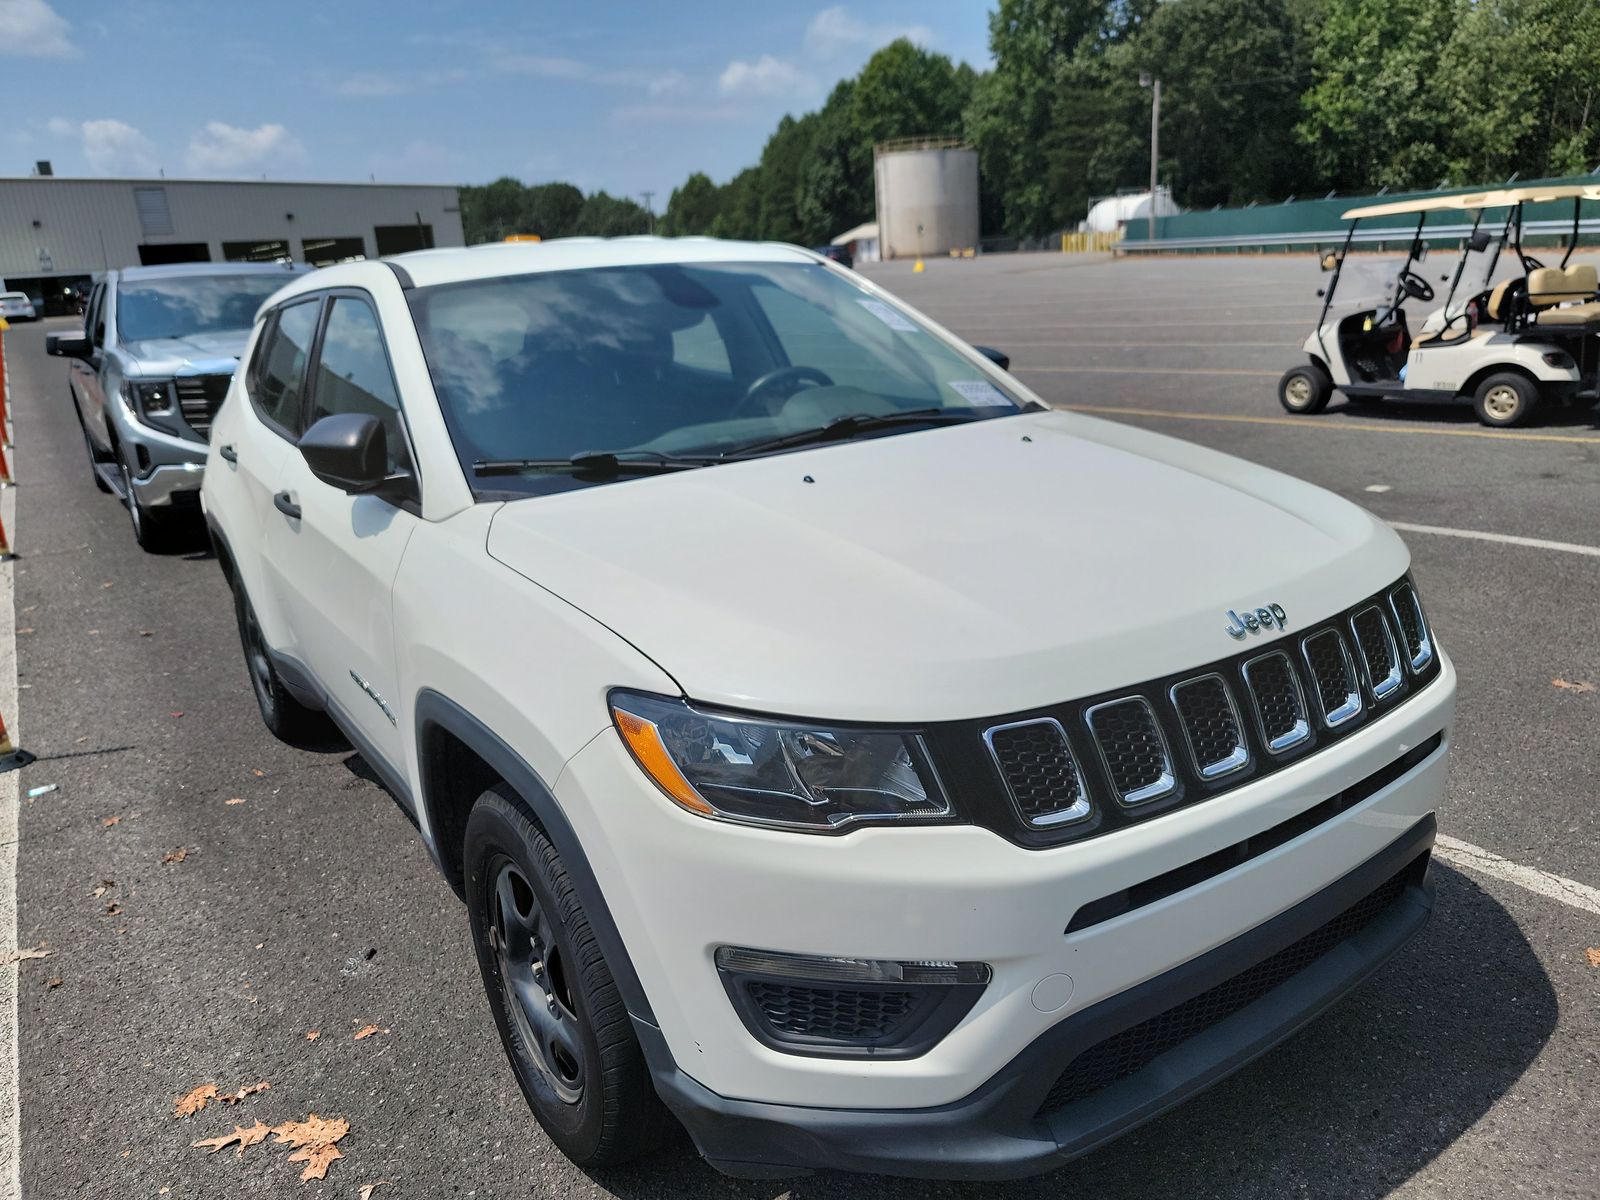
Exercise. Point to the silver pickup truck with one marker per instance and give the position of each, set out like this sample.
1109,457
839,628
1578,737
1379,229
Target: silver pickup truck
149,370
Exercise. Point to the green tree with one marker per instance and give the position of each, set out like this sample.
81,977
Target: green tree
551,210
1372,113
603,215
693,207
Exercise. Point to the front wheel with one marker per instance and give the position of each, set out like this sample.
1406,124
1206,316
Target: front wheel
560,1016
150,530
1505,399
285,717
1305,389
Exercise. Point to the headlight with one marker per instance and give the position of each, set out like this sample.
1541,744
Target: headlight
793,775
154,400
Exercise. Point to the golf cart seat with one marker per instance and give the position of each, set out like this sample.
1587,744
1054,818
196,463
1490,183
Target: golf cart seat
1498,298
1552,292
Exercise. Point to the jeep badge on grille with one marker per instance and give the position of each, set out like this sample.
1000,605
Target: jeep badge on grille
1270,617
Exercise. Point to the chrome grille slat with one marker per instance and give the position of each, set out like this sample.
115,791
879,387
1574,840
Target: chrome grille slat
1416,641
199,397
1380,660
1333,675
1280,704
1211,726
1133,749
1040,772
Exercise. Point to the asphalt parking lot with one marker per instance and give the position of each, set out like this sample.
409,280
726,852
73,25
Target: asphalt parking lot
303,901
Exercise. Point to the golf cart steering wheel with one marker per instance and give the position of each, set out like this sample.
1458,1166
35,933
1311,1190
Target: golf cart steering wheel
1416,286
796,376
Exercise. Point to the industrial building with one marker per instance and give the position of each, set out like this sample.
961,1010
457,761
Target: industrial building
927,193
55,233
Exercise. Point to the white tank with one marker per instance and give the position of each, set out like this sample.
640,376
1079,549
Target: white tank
927,192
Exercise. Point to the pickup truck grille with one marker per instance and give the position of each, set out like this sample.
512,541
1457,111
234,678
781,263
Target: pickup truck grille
1105,762
199,397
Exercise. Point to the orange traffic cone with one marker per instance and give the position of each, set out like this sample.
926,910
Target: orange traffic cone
5,468
11,757
5,543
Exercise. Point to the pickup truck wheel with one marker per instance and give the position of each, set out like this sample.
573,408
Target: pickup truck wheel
560,1016
149,530
285,717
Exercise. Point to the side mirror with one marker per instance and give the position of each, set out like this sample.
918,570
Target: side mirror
998,357
68,345
1479,241
1330,260
349,451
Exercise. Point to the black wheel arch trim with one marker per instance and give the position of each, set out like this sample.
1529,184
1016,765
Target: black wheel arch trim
437,712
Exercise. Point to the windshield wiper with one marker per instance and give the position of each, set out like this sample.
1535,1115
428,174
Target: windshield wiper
848,426
593,462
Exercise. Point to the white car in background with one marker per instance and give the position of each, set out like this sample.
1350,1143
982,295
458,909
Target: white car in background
836,750
17,306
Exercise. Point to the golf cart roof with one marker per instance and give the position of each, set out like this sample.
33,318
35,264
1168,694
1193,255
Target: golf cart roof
1494,198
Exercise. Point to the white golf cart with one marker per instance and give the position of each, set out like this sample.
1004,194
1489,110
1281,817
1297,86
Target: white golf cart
1506,346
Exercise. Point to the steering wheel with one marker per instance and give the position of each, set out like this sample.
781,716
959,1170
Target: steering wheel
1416,286
772,379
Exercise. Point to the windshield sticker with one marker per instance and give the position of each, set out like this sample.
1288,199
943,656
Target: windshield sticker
887,315
980,393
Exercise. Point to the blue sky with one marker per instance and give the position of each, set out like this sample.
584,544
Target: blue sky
609,94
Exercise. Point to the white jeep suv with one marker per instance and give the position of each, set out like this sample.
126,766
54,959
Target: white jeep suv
835,749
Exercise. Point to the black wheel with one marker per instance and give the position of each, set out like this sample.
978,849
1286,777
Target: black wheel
1505,399
286,718
149,529
560,1016
1305,389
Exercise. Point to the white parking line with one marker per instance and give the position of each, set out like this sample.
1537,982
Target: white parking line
1485,862
1509,539
10,1088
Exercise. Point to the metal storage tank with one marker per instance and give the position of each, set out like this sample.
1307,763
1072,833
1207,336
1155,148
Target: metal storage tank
927,191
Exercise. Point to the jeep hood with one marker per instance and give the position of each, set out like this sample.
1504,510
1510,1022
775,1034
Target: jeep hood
961,571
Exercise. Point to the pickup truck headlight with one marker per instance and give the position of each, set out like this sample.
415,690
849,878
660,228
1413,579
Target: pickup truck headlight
155,403
792,775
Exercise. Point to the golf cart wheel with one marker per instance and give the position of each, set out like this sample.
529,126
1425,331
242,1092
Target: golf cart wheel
1305,389
559,1013
1505,399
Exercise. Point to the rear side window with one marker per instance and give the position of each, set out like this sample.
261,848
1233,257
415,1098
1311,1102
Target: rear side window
278,374
354,376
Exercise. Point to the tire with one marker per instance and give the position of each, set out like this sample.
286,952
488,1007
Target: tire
561,1019
1305,389
285,717
1505,399
150,530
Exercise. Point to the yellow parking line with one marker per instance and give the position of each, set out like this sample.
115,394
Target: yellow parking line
1309,423
1148,371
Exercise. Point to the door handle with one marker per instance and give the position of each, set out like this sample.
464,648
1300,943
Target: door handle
286,506
229,454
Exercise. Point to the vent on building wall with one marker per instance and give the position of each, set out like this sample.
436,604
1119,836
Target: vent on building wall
155,218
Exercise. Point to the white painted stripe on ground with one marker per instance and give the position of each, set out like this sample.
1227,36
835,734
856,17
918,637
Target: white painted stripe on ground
1509,539
1543,883
10,1086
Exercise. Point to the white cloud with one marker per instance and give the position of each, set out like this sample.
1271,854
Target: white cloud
32,29
370,84
221,148
767,76
835,31
109,146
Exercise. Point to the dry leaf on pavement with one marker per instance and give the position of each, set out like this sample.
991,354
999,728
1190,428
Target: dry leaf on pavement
368,1188
175,856
1568,685
16,956
245,1137
313,1035
105,886
53,982
1594,955
250,1089
313,1140
192,1102
113,909
367,1031
108,822
235,800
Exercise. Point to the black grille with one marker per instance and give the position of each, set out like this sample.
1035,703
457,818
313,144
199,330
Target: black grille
199,396
1134,751
1376,647
1332,675
1413,634
1130,1051
1211,724
837,1014
1280,706
1037,764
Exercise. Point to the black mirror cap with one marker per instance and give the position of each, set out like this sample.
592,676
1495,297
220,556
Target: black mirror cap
349,451
1479,241
67,345
998,357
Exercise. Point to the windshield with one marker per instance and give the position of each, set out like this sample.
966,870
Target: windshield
185,305
1366,281
694,360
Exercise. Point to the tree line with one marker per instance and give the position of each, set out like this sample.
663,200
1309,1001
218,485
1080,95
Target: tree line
1261,100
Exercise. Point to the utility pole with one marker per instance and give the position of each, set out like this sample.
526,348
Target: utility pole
648,197
1155,146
